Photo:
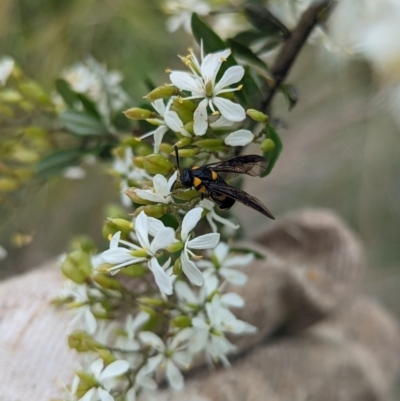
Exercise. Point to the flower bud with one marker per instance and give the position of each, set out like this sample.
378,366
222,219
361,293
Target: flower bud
106,356
114,225
139,253
189,127
183,142
77,266
156,211
166,148
186,195
181,321
162,92
142,150
175,247
134,271
177,270
257,115
89,380
184,109
267,145
83,243
138,161
8,184
34,91
211,144
151,301
110,283
157,164
135,198
188,152
81,341
139,114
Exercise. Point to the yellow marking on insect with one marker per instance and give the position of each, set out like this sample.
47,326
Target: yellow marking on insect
214,175
202,189
196,181
195,167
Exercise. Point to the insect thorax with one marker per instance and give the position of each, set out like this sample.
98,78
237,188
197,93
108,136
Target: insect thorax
187,178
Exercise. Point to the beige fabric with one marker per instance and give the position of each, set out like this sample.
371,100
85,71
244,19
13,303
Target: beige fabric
338,346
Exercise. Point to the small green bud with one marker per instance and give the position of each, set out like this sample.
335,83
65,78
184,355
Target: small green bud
138,161
155,211
139,253
181,321
189,127
183,142
81,341
184,108
162,92
10,96
267,145
211,144
166,148
110,283
186,195
134,271
83,243
106,356
142,150
148,310
151,301
177,270
188,152
114,225
175,247
157,164
257,115
77,266
139,114
132,195
89,380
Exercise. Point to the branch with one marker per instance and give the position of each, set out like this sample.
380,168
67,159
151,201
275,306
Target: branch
293,45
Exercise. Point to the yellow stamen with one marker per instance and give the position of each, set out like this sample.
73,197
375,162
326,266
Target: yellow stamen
168,70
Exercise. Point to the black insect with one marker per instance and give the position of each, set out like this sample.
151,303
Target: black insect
209,182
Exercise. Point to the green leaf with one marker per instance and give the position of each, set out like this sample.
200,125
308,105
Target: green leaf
82,124
88,105
56,162
65,91
243,52
271,43
257,255
211,41
248,37
290,93
273,155
265,21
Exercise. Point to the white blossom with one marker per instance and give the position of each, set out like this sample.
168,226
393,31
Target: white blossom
132,324
105,378
121,257
181,11
74,173
202,85
161,191
6,67
224,263
211,215
241,137
169,355
206,241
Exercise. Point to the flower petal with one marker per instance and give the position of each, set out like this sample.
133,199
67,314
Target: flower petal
160,185
89,395
231,76
200,118
116,255
159,106
212,63
115,369
154,225
174,376
158,137
96,367
185,292
149,195
191,271
90,320
151,339
222,122
243,260
163,238
185,81
221,251
233,276
232,299
115,239
206,241
189,222
173,121
141,229
231,111
241,137
162,279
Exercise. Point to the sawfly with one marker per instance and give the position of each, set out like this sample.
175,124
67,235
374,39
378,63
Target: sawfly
209,181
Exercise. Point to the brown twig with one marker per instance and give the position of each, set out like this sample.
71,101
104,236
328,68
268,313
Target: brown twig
292,47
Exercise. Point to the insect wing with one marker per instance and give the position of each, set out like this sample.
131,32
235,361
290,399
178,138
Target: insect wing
252,165
240,196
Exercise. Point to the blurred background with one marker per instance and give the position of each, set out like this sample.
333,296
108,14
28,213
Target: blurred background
340,152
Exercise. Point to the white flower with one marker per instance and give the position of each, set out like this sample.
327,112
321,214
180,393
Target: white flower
182,13
241,137
74,173
132,324
225,263
212,215
206,241
169,120
105,379
6,67
171,355
161,191
202,84
121,257
129,172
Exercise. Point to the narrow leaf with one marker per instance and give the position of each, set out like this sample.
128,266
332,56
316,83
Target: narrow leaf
243,52
290,93
82,124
